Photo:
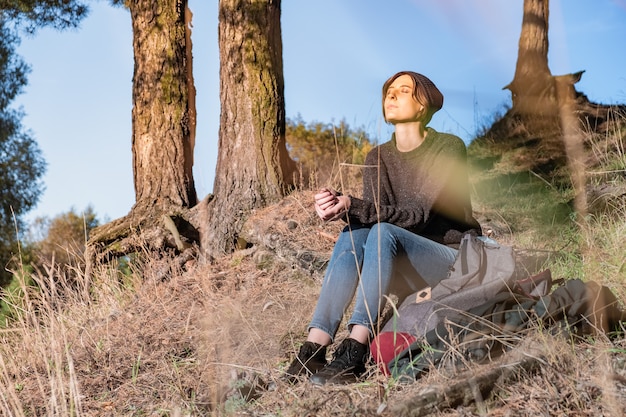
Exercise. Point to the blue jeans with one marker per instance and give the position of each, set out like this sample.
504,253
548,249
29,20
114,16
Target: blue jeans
374,262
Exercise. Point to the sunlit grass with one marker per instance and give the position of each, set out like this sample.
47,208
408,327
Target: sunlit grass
135,345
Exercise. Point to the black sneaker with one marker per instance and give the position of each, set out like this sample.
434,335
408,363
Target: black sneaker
311,358
347,365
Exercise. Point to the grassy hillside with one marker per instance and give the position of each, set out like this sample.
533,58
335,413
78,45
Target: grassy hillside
213,339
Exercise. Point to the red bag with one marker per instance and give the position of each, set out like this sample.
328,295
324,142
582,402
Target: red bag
387,345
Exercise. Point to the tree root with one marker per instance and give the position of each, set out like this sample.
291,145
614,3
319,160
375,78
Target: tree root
148,230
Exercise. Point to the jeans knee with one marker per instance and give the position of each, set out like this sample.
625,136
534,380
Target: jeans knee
383,232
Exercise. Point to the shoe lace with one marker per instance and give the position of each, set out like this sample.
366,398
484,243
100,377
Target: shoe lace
309,353
344,357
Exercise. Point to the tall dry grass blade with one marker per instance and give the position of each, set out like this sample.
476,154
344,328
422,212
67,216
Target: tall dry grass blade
573,141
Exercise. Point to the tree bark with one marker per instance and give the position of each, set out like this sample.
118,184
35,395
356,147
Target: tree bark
532,89
253,166
163,131
163,119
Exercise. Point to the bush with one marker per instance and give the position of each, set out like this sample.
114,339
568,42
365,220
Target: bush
328,154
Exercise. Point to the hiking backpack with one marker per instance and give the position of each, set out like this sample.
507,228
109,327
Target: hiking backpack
481,270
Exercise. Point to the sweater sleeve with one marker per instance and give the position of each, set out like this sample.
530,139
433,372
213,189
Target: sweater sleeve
379,203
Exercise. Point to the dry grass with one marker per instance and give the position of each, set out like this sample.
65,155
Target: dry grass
215,339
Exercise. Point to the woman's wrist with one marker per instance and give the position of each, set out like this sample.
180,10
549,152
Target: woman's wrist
346,201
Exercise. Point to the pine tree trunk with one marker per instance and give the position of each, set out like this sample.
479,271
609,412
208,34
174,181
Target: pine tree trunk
533,90
253,166
163,128
163,120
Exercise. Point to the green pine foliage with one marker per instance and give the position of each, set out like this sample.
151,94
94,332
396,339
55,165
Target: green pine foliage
21,163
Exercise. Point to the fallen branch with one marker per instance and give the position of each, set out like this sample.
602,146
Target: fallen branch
474,388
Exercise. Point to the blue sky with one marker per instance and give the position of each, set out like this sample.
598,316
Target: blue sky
337,54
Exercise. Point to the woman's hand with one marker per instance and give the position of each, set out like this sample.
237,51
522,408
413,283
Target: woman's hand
329,205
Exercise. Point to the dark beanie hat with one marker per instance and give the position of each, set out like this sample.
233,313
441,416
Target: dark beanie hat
432,94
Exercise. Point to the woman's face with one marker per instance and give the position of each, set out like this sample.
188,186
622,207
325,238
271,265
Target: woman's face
400,105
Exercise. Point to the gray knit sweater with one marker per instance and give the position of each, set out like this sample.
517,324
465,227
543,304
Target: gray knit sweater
425,190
